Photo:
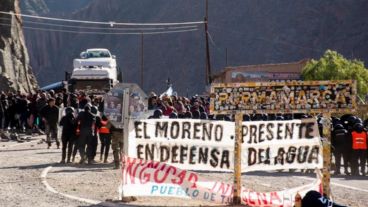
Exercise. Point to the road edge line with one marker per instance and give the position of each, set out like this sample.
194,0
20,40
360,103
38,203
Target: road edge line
341,185
43,177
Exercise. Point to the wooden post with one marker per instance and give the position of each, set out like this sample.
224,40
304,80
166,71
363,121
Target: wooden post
237,158
326,154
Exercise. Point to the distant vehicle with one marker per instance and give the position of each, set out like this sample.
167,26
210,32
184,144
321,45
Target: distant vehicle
95,71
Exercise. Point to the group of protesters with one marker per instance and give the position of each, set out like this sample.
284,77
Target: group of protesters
83,125
40,113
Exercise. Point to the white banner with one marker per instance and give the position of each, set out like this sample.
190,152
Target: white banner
150,178
209,145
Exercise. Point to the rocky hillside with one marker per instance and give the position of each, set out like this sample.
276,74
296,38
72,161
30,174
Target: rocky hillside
253,32
15,71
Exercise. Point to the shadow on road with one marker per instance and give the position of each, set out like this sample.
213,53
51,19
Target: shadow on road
18,150
28,167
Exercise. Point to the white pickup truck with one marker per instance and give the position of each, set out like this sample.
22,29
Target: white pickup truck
95,70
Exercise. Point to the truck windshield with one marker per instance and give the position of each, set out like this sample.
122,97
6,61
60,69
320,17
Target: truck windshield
97,54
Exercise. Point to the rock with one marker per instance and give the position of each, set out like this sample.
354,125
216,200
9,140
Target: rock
15,70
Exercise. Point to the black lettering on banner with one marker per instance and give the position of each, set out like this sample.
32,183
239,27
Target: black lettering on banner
309,130
196,130
206,133
252,156
270,126
174,130
203,155
302,154
267,160
280,156
214,155
161,128
192,154
219,132
149,151
253,133
291,155
279,130
289,130
261,157
186,130
145,131
301,135
174,154
260,133
225,160
137,129
139,151
164,153
245,133
313,155
183,153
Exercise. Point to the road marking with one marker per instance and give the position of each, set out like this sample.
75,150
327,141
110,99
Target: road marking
338,184
51,189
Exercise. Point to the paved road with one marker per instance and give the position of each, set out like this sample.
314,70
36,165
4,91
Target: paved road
22,164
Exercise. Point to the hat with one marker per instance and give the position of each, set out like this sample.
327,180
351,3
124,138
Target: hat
315,199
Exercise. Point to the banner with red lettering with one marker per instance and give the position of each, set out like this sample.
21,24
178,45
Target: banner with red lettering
209,145
150,178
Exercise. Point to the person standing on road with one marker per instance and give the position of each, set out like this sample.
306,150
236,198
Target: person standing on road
117,144
341,143
50,116
68,122
86,122
94,141
105,138
359,146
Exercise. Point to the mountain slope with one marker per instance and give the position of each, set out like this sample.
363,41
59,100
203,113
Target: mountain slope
15,71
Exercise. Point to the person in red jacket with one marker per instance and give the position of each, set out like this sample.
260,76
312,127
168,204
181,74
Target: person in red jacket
359,146
105,137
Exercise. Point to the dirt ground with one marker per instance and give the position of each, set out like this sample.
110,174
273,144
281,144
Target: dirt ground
21,166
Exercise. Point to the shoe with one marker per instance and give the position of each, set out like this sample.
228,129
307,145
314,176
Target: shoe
62,162
117,165
91,162
337,173
48,147
128,199
105,161
82,161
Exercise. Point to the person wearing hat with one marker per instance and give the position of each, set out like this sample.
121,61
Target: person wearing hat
50,116
68,135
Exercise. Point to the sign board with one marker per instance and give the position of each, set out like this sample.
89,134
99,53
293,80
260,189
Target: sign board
209,145
283,97
150,178
124,102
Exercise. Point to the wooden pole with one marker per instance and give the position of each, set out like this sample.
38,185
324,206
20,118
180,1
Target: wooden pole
326,154
208,59
237,158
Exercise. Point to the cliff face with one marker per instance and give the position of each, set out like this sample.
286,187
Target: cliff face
15,71
253,32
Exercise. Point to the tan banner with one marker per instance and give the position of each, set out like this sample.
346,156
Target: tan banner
284,97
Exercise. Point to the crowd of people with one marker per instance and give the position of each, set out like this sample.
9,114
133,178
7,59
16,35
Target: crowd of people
83,125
